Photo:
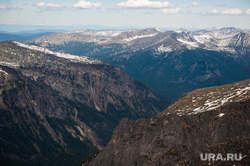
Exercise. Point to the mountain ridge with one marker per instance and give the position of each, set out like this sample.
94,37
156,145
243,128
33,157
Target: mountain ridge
74,99
171,138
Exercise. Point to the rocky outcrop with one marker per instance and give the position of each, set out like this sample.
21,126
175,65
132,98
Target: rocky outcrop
181,133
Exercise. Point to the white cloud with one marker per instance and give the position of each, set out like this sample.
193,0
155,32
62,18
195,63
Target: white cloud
248,11
171,11
232,11
214,11
195,4
227,12
86,5
2,7
144,4
48,5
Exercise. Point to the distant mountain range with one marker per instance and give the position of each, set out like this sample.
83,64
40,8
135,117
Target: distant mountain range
225,39
57,109
22,36
171,62
213,121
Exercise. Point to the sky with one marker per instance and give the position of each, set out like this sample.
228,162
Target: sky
175,14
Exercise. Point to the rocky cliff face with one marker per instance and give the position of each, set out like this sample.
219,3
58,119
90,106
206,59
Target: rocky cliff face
38,126
85,80
64,106
211,120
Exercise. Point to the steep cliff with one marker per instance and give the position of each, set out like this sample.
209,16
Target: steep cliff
38,126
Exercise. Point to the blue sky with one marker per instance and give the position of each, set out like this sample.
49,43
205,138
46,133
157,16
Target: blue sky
174,14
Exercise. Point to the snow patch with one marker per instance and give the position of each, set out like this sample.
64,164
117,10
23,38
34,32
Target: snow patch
203,38
9,64
139,36
228,97
220,115
192,44
73,58
215,99
163,49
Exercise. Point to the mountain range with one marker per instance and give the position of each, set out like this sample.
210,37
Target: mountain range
23,35
225,39
57,109
183,60
64,94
